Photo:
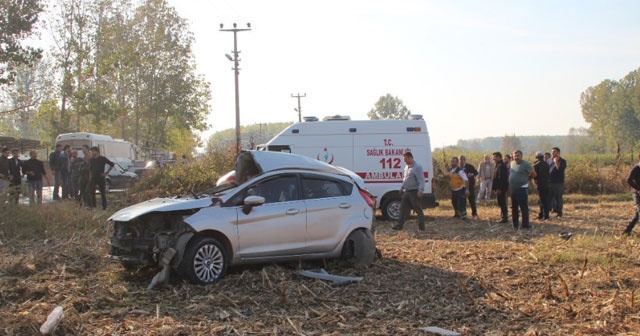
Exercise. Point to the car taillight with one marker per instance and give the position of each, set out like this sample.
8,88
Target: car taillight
367,197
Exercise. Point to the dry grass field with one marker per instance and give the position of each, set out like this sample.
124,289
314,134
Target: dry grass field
475,278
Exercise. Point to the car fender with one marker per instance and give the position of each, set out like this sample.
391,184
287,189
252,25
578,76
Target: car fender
181,244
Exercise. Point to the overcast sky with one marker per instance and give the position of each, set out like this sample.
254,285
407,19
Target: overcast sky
472,68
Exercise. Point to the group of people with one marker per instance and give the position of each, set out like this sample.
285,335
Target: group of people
78,177
508,176
511,177
11,172
75,177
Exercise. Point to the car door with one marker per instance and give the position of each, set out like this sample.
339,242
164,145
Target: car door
329,211
277,227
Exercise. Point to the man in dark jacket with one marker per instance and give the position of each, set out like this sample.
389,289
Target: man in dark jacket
97,164
56,165
471,172
556,179
501,184
542,182
15,170
34,169
634,182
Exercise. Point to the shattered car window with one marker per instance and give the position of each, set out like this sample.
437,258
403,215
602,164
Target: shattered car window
315,187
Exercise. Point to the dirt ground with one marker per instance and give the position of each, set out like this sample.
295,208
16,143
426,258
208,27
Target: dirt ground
476,278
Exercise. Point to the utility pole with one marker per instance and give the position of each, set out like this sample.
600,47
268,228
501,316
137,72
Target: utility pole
299,109
235,59
261,136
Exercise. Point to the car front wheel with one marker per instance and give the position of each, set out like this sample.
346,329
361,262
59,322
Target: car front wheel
204,261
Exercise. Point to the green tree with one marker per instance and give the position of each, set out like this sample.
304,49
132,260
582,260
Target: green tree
31,86
127,71
17,21
388,107
613,110
168,92
72,30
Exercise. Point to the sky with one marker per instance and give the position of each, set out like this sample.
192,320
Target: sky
473,69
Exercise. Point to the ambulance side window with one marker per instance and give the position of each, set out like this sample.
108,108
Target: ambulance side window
279,148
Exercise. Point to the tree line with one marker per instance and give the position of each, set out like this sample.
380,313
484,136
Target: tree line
613,110
118,67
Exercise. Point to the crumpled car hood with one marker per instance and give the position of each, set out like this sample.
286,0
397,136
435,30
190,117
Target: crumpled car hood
160,205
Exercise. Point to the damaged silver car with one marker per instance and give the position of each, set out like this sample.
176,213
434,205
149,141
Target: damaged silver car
280,207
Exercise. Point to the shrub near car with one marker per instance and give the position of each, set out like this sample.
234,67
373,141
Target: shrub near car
280,207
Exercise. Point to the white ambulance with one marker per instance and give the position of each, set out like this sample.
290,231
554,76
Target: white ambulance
372,149
117,150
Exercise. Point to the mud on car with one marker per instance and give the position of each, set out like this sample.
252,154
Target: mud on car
280,207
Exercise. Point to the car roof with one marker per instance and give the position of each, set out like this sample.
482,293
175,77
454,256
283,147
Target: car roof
269,161
256,162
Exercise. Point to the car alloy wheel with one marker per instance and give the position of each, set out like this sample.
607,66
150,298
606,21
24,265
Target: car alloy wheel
204,261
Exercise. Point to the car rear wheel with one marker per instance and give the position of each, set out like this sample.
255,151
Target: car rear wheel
204,261
360,248
391,208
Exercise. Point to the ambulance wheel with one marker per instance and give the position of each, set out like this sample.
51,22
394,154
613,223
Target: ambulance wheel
391,208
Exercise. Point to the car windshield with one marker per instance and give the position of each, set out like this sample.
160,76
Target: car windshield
119,167
217,190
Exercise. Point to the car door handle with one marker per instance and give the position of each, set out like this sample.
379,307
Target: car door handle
344,205
292,212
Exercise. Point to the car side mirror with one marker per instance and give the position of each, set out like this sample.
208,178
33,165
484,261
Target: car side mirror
250,202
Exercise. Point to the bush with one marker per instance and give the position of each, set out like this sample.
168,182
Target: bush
183,177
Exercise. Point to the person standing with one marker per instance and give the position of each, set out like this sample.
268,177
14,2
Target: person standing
552,203
76,163
66,172
85,176
485,174
507,163
15,170
411,192
519,174
541,167
458,182
471,172
556,180
34,169
55,163
500,184
5,175
98,175
634,182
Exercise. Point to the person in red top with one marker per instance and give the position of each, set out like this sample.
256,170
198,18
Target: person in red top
96,164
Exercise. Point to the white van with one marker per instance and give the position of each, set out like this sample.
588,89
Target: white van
117,150
373,149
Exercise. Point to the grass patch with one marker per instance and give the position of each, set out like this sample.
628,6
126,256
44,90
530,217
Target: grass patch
606,251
